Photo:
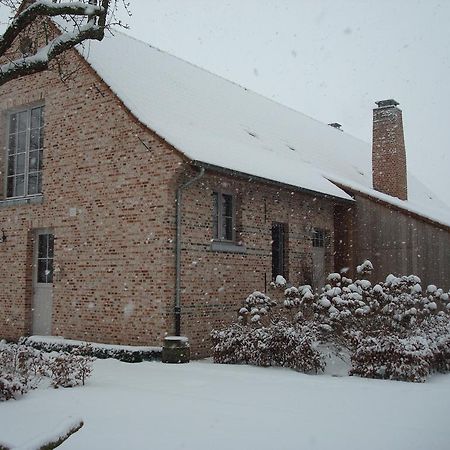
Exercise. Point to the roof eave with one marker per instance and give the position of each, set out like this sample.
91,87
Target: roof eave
249,177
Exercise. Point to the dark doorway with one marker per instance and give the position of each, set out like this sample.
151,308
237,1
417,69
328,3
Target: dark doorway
279,250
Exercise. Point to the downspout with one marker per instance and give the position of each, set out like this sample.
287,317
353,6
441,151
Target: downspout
178,251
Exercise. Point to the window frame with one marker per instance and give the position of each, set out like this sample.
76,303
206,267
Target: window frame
6,154
218,216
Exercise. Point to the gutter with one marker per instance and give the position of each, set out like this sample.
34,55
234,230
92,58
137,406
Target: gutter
177,309
256,178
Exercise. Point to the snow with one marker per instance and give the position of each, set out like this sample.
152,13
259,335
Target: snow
202,406
75,343
60,432
217,122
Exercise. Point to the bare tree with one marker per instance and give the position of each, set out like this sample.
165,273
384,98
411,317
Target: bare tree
31,40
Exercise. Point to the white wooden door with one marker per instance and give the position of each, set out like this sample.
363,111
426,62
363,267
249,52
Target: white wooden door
43,282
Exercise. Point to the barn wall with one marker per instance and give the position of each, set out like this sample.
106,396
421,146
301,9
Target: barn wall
400,244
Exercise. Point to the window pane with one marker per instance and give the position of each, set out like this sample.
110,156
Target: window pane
19,186
40,160
49,271
20,164
33,161
10,187
22,120
12,144
11,165
227,205
33,182
228,228
51,240
36,117
34,140
41,271
21,142
13,123
42,246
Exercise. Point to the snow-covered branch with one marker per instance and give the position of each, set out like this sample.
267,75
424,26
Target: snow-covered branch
94,13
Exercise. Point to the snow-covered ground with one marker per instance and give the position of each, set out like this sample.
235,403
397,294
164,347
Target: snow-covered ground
205,406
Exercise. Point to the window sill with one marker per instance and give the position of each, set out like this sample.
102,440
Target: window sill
229,247
29,200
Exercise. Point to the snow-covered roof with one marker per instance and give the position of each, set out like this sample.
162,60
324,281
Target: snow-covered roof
217,122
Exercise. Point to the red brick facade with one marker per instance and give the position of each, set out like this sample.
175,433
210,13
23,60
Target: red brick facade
109,189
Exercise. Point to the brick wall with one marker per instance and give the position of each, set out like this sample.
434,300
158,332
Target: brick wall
107,197
215,283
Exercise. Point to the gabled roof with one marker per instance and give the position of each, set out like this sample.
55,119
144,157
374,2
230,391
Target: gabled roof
217,122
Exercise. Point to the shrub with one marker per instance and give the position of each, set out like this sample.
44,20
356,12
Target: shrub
279,344
22,368
70,369
393,329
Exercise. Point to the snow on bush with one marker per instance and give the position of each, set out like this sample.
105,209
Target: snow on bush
23,367
279,344
70,369
394,329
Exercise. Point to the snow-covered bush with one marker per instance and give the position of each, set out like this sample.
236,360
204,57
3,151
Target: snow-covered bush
279,344
256,306
390,357
393,329
23,367
70,369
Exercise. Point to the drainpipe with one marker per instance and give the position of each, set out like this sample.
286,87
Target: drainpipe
178,250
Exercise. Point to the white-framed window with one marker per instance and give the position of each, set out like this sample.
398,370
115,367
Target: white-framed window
25,152
224,217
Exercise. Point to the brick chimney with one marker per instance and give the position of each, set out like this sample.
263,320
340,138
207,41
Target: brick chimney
388,150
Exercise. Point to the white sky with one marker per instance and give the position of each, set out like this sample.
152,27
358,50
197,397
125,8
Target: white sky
330,59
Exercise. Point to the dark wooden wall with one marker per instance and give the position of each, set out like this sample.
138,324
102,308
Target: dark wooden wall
400,244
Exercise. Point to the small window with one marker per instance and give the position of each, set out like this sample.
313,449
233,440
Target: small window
223,218
318,239
25,144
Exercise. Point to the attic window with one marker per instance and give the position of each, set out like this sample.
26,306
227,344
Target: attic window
291,148
252,134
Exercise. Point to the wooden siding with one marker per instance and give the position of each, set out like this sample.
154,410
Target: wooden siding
400,244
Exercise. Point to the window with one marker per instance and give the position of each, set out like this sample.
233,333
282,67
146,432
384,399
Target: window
318,239
223,219
45,258
25,144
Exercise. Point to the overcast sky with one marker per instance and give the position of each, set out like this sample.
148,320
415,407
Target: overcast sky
330,59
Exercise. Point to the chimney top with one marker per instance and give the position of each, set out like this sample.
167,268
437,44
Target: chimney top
387,103
336,125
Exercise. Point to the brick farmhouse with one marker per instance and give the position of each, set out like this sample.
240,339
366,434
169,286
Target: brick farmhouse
146,196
